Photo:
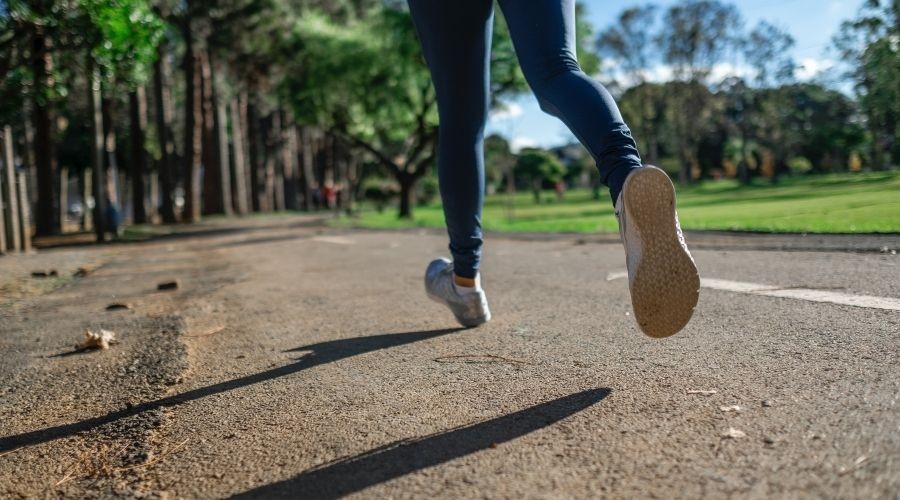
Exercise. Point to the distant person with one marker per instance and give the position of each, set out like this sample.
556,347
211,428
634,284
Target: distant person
456,39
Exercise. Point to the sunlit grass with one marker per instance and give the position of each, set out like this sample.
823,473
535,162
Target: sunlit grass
838,203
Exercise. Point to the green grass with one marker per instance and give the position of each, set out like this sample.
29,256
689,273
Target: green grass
836,203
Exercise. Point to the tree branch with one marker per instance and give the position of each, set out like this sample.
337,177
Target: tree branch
381,157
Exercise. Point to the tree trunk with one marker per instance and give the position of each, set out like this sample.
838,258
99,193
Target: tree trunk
255,163
94,100
46,216
29,154
309,180
193,128
276,162
24,213
212,172
289,164
110,153
353,179
137,101
85,186
10,195
163,100
220,124
407,195
240,164
744,167
63,197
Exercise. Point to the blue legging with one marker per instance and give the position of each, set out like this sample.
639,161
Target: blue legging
456,40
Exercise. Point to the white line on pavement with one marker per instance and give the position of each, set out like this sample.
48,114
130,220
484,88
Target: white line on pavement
336,240
867,301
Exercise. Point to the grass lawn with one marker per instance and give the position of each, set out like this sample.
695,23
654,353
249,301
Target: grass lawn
836,203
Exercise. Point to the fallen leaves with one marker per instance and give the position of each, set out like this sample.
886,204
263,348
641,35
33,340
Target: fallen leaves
101,339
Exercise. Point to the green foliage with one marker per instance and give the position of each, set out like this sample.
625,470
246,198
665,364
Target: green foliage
870,46
539,166
125,36
799,165
695,35
498,159
366,77
428,190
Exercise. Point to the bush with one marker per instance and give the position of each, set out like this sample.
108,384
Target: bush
799,165
428,190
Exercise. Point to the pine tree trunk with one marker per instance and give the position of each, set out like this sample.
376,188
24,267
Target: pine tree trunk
309,181
289,164
137,100
85,187
10,196
193,129
29,154
163,101
220,125
275,163
212,174
97,183
256,163
63,197
110,153
46,217
240,165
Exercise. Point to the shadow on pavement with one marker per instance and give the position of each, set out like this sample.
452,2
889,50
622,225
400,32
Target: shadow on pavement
353,474
321,353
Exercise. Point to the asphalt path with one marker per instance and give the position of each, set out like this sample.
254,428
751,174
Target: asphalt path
298,361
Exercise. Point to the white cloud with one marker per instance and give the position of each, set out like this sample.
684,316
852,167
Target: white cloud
722,71
509,111
518,143
810,68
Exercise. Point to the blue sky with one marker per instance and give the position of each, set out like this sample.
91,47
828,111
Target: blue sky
811,22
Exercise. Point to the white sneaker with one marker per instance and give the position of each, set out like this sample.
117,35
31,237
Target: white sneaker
662,276
470,308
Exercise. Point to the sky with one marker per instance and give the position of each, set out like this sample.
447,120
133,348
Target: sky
812,23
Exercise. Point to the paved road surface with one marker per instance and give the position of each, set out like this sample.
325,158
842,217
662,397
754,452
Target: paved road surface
300,362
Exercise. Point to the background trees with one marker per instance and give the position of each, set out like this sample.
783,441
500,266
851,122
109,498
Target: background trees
183,109
539,167
870,45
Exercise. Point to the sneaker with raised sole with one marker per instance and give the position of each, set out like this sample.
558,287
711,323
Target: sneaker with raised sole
662,276
471,309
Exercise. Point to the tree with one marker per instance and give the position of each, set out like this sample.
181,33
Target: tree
498,161
869,45
696,35
367,83
767,50
539,166
629,42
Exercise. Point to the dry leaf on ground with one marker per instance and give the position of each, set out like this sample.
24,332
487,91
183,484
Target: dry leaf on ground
101,339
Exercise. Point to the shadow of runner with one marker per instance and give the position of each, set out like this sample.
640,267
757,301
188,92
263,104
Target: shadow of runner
353,474
321,353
